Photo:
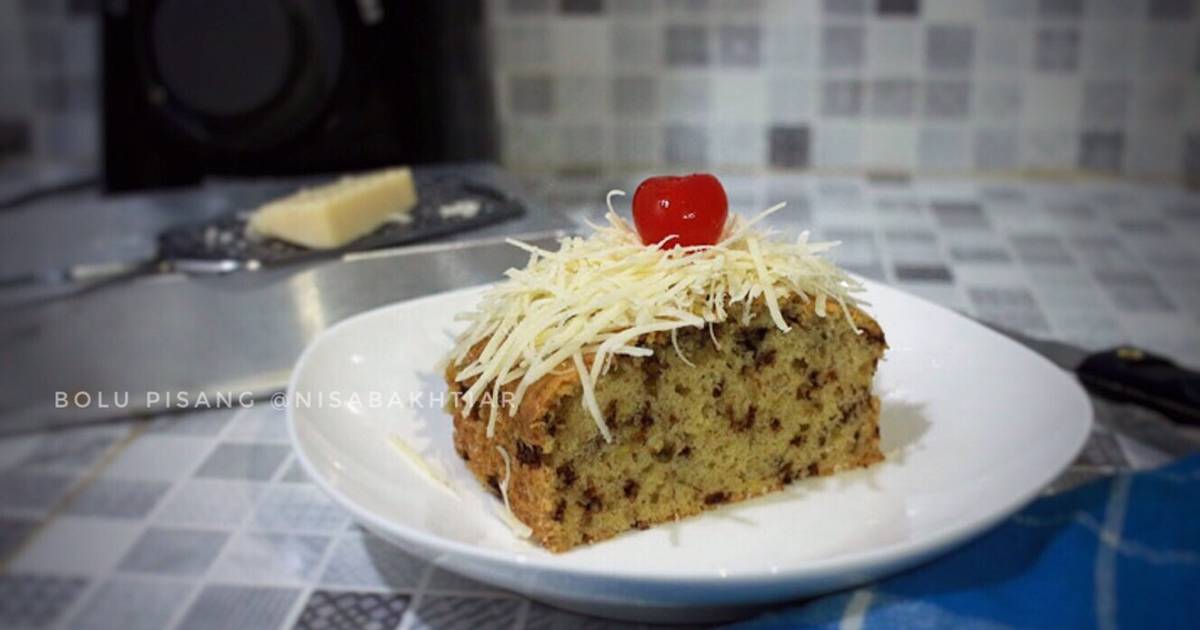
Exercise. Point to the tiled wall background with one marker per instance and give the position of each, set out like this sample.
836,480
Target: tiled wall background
1110,86
49,90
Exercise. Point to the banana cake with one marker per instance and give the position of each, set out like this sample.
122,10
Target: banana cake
627,380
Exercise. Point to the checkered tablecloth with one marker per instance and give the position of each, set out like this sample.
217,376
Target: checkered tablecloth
205,520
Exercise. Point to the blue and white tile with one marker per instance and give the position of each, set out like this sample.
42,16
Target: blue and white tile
254,558
77,546
326,610
117,498
362,560
169,551
299,508
450,612
209,502
223,606
132,604
259,424
35,600
32,493
158,457
251,462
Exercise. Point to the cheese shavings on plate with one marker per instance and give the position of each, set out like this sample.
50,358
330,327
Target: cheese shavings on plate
595,297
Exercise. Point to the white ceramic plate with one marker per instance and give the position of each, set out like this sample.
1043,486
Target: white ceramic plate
973,425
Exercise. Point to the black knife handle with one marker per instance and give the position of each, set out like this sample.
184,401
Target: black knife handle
1132,375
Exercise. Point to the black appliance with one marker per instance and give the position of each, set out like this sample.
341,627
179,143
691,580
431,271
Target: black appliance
283,87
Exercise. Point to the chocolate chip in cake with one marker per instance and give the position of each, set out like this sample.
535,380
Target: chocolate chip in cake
776,425
744,423
652,366
566,475
718,389
685,451
799,364
494,483
786,475
646,420
529,454
591,501
640,525
630,489
560,511
716,498
749,339
813,470
797,440
665,453
764,359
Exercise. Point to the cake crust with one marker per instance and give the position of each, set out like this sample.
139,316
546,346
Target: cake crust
776,406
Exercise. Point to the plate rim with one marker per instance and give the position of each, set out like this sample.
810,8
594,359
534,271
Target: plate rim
945,538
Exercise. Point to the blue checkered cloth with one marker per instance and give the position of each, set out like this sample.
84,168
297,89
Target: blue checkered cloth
1120,552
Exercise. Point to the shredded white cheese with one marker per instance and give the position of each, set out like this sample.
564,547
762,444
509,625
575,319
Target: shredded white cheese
594,297
464,208
420,464
520,529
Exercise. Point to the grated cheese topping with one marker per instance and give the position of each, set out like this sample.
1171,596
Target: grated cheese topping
420,464
595,297
520,529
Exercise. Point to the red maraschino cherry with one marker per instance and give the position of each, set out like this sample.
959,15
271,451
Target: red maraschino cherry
693,208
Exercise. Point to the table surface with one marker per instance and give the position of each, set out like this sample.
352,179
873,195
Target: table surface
205,519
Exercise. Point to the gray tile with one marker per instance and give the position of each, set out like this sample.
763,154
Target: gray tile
21,490
789,146
740,44
14,136
50,93
1159,100
541,617
532,96
292,507
979,254
221,606
842,46
924,273
960,215
582,7
118,498
997,149
997,100
1191,154
1060,8
898,8
173,551
846,7
44,47
528,7
1115,9
446,611
685,145
295,473
1134,292
943,148
36,601
255,462
1039,250
634,96
633,8
271,559
686,45
337,610
1057,49
521,45
365,561
687,6
841,97
13,532
949,48
636,45
210,502
1014,307
1008,8
132,604
1101,151
947,99
893,98
1175,10
1105,103
76,448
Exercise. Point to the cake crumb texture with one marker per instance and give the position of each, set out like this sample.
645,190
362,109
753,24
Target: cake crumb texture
760,409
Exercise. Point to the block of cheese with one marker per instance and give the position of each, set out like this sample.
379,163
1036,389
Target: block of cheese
332,215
